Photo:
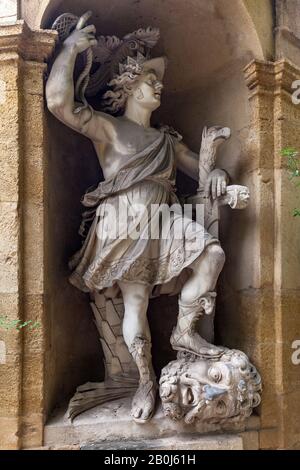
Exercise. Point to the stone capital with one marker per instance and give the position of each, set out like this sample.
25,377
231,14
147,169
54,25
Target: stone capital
19,39
264,77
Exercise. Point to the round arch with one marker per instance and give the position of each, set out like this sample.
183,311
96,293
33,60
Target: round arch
236,17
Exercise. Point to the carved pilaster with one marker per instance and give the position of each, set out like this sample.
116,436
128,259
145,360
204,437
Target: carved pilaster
22,154
275,124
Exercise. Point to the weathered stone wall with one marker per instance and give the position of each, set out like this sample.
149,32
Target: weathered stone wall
22,289
287,32
263,16
73,353
287,259
10,297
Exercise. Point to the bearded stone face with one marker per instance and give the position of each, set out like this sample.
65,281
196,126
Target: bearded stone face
238,196
210,391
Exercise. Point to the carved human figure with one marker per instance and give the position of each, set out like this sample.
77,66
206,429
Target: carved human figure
139,165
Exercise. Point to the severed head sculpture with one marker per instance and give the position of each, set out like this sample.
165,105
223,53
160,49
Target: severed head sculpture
212,391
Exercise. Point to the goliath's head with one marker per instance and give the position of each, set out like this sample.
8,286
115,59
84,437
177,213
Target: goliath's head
210,390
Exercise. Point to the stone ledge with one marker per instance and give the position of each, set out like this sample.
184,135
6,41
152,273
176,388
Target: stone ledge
111,423
189,442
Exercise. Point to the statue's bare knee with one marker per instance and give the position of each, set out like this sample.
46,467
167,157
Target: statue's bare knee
216,251
211,260
206,270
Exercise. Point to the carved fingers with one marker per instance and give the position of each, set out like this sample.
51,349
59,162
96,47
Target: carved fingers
82,39
214,188
83,19
89,29
223,188
216,184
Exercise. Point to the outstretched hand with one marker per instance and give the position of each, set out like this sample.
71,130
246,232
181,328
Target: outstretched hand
82,39
216,184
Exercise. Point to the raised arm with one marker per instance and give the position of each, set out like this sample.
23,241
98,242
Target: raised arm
60,91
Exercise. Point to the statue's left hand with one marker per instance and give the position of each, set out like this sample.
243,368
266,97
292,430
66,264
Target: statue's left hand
216,184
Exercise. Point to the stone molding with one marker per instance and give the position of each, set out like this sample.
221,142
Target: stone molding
264,77
31,45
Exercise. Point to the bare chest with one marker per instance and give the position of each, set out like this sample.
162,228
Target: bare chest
129,142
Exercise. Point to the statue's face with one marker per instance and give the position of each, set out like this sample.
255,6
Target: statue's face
239,196
244,197
147,91
206,390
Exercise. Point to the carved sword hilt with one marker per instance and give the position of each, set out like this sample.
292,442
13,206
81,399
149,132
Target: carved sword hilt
212,137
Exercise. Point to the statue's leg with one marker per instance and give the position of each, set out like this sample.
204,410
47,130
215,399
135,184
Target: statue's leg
198,298
206,271
136,334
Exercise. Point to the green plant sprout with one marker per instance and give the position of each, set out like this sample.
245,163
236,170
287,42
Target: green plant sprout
293,164
7,324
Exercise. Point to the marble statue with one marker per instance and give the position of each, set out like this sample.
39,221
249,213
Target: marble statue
122,272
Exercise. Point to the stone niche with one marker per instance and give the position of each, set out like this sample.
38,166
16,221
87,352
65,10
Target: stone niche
208,45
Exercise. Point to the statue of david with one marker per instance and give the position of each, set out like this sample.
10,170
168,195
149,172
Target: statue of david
139,165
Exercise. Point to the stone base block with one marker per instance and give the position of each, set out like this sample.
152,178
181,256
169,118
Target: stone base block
224,442
110,427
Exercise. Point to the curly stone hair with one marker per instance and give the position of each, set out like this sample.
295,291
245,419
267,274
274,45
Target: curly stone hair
114,100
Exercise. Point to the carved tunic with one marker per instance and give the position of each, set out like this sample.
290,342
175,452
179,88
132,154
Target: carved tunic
129,240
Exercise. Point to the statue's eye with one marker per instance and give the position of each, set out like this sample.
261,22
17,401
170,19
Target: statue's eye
215,374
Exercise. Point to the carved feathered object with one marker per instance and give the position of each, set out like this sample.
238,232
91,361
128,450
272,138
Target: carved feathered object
109,53
112,51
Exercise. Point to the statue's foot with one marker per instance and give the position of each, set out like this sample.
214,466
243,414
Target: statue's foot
143,402
193,343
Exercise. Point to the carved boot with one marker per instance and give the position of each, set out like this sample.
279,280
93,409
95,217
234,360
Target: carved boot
185,337
143,402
